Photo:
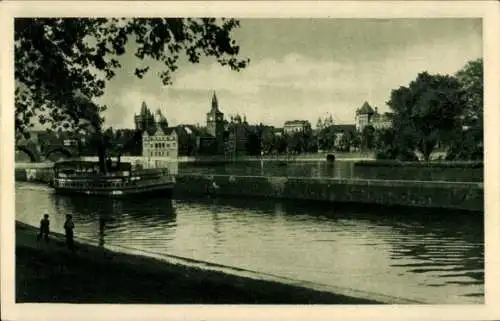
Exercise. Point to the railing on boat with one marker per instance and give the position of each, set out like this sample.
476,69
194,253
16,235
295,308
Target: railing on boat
133,181
153,172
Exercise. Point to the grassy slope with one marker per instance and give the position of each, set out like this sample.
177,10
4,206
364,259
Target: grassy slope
49,273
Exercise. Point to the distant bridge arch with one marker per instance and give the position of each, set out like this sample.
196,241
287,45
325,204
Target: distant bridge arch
32,153
39,147
62,150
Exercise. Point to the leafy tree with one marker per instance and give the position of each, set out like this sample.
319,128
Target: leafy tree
470,78
426,112
295,143
269,141
253,143
62,64
468,143
301,142
387,146
131,140
281,144
367,137
355,141
326,138
311,144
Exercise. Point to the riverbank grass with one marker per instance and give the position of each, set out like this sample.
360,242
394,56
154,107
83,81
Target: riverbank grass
49,273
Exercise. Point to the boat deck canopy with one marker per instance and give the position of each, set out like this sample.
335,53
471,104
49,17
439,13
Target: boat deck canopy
87,165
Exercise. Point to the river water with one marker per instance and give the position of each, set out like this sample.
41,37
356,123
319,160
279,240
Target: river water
425,256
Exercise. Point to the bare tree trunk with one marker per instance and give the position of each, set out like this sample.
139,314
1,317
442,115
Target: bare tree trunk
426,149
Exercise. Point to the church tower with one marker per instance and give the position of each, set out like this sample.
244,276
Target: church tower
215,119
142,121
215,124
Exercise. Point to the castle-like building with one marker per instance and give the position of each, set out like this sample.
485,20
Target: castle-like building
160,140
368,116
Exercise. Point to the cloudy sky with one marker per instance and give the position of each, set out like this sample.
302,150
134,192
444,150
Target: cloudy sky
301,69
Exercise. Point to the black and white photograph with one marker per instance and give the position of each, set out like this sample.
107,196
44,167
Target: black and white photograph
217,158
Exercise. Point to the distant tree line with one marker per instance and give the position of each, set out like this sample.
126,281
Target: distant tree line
124,142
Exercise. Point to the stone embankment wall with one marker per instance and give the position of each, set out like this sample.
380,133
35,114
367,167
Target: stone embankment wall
38,175
449,195
421,171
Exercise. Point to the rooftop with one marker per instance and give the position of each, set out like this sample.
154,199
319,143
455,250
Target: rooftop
366,109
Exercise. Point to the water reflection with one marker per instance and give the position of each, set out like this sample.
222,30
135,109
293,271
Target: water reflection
120,216
102,226
445,244
421,255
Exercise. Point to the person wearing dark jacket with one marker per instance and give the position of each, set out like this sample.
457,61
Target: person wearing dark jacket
68,229
44,228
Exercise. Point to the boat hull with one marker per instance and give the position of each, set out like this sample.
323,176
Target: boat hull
164,190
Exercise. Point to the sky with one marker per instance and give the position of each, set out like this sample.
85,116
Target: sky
300,69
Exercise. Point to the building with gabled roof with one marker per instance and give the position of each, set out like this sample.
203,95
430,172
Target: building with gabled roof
368,116
163,143
363,116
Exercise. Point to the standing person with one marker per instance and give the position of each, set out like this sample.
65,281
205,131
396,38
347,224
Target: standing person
68,228
44,228
213,188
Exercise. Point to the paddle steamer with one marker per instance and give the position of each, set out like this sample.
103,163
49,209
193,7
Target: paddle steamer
120,180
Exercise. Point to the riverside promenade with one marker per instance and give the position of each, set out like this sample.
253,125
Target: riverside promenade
50,273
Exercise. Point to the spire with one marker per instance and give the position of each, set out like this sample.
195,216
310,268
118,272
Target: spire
144,108
215,103
158,116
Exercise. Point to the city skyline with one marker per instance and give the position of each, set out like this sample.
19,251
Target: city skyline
370,209
293,74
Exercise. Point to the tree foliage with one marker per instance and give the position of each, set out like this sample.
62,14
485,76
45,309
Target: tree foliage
389,146
468,144
326,138
426,113
62,64
470,78
367,137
